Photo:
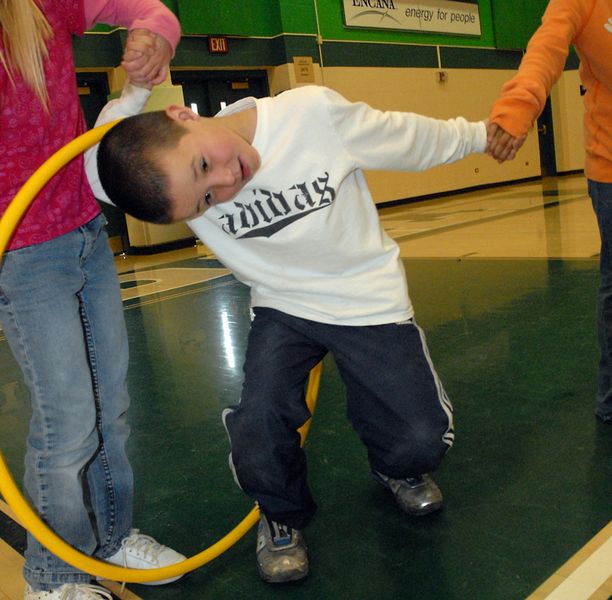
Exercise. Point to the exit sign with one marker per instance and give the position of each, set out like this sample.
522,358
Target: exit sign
217,45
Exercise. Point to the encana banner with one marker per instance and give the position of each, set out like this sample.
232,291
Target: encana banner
439,16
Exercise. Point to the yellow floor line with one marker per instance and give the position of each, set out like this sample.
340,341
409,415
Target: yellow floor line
11,579
585,576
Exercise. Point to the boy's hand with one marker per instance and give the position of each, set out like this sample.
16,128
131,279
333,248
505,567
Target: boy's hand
501,145
146,58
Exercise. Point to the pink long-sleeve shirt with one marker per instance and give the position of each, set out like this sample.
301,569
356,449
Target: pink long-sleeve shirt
29,135
587,24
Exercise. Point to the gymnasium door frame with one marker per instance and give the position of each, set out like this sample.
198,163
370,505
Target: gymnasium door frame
546,141
207,92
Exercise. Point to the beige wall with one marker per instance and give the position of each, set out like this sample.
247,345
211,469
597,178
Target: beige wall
285,77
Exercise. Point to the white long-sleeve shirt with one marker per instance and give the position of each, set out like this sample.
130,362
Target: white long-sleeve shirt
304,233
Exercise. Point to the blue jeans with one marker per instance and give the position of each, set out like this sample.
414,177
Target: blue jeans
601,196
395,402
61,311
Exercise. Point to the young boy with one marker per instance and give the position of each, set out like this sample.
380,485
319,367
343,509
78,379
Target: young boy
275,187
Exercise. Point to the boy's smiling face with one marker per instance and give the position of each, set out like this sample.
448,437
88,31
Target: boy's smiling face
211,163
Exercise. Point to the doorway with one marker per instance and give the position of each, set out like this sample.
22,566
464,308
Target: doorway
207,92
546,141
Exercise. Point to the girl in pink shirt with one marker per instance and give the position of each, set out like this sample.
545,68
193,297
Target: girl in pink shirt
60,306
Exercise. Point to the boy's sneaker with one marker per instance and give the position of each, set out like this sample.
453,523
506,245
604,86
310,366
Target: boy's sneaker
140,551
281,552
416,496
69,591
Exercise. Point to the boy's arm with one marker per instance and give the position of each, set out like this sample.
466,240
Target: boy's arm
401,141
131,102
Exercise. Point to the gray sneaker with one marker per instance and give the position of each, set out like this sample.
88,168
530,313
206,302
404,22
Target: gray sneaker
281,552
416,496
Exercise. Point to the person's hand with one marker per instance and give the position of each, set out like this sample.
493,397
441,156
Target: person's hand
146,58
501,145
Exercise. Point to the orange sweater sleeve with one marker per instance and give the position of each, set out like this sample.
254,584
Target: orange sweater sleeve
523,98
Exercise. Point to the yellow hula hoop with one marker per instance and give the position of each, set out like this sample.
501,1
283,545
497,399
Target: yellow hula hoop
9,490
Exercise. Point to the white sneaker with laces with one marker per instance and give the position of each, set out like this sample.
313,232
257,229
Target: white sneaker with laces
139,551
69,591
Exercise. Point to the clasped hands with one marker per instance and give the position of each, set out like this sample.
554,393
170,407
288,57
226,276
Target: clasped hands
501,145
146,58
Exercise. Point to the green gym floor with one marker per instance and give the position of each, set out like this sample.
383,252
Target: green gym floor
504,283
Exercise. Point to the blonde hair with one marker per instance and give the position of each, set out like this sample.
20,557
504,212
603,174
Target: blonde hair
25,32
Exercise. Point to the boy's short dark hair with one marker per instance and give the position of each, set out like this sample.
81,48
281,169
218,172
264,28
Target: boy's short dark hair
128,165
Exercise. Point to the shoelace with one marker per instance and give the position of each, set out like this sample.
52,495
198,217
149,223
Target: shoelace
84,591
142,545
415,481
281,534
